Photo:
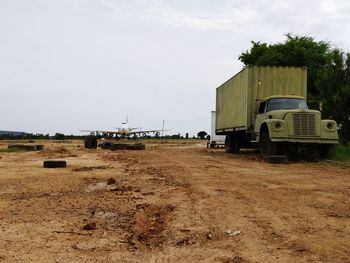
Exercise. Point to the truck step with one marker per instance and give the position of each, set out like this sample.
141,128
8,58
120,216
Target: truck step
276,158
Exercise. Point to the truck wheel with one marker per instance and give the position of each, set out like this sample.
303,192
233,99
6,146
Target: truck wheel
266,146
327,151
118,146
106,145
231,144
90,142
136,146
39,147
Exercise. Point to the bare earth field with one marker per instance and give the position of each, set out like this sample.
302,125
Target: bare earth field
176,201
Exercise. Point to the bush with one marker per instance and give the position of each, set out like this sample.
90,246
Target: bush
342,152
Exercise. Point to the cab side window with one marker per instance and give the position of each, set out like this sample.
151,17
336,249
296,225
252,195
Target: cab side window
262,107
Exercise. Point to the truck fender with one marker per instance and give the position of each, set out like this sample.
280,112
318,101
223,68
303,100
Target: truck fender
273,127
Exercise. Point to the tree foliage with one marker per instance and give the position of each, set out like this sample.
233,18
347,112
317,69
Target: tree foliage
202,134
328,72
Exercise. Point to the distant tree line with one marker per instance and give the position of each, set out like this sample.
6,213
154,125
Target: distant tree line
328,72
61,136
39,136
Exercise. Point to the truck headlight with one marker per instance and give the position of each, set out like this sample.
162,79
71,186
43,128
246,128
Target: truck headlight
330,126
278,126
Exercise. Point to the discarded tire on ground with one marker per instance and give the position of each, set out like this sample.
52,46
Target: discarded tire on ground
137,146
90,142
124,146
105,145
39,147
23,147
55,164
118,146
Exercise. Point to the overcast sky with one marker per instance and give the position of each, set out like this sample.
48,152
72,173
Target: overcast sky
85,64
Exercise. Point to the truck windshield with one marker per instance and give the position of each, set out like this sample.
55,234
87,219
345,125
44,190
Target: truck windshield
286,104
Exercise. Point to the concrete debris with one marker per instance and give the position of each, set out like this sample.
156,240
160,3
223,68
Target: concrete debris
232,233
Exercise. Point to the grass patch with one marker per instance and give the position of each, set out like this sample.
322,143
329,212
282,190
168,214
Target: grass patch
342,153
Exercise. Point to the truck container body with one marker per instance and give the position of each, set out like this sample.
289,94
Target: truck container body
237,99
215,140
267,106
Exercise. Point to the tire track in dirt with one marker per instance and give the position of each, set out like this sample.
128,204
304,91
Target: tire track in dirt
172,204
272,224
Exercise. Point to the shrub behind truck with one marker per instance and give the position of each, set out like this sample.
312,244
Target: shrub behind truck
266,107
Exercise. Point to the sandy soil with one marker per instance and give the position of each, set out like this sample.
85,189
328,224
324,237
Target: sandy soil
173,202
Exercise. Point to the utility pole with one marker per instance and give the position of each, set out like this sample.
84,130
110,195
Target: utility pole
163,128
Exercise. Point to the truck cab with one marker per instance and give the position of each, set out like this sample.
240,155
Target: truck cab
282,120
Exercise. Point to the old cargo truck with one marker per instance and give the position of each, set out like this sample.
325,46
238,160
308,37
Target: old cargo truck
266,107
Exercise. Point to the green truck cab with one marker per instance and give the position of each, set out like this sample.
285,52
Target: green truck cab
287,119
266,107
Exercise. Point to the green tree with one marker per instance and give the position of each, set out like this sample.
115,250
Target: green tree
328,72
59,136
202,134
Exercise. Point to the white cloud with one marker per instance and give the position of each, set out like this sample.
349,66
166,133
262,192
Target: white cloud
67,65
169,16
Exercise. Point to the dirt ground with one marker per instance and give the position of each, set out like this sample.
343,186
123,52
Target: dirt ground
176,201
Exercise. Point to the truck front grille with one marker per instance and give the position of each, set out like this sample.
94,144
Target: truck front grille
304,124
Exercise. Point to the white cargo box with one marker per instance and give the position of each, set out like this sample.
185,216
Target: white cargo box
215,140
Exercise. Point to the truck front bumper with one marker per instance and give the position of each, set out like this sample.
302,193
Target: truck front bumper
280,131
304,140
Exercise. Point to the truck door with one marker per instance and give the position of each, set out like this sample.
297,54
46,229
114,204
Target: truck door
260,116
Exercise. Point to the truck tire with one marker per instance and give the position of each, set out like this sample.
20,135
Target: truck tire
55,164
25,147
327,151
266,146
90,142
105,145
136,146
118,146
232,144
39,147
